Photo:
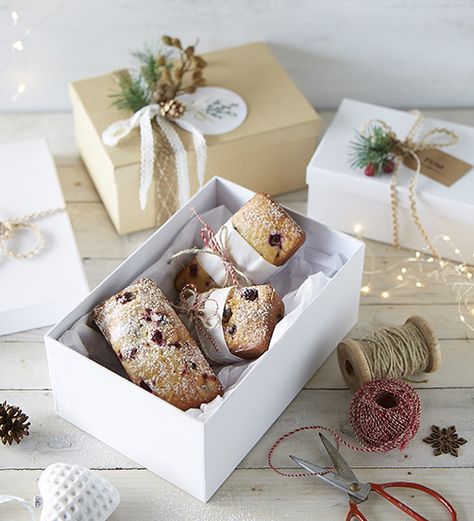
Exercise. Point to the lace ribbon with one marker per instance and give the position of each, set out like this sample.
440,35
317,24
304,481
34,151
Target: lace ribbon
143,119
410,147
9,227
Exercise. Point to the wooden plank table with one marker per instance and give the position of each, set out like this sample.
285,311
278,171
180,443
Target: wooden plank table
253,492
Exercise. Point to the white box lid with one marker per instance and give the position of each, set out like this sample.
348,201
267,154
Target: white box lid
330,166
36,292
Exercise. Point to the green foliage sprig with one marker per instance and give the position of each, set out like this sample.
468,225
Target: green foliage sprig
159,76
373,150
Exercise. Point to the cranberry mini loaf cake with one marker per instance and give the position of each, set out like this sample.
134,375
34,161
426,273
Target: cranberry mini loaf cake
196,275
154,347
266,227
249,318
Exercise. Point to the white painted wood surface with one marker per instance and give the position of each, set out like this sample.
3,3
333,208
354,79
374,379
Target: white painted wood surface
407,53
253,492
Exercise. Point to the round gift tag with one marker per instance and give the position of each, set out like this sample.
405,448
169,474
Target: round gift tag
212,110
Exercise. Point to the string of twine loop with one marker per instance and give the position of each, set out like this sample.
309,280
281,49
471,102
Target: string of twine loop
9,227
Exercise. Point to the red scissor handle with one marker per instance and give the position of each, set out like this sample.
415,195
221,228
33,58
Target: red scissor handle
380,489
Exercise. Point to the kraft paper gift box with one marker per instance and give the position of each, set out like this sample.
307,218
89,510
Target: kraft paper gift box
344,198
268,152
195,451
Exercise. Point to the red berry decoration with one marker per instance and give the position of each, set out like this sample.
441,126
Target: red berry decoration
370,170
389,166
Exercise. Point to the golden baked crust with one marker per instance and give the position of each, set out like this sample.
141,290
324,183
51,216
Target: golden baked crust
154,347
196,275
268,228
249,318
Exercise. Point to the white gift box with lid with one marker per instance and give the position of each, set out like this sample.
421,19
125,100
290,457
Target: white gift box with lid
344,198
198,453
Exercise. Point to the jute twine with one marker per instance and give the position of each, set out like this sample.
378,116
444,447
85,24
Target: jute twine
410,147
390,352
10,227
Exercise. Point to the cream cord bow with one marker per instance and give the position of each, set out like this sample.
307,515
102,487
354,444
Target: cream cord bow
30,506
142,119
9,227
410,147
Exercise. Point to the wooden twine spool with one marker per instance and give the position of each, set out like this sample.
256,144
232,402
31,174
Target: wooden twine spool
355,364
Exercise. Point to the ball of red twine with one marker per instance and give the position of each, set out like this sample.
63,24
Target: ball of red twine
385,414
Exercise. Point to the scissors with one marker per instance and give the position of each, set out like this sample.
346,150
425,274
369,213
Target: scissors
344,479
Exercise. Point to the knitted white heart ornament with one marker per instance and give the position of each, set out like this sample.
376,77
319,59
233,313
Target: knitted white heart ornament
74,493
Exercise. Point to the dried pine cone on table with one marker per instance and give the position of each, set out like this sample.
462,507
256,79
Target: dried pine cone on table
14,424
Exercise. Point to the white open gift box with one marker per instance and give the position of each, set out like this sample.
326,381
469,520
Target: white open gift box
197,452
344,198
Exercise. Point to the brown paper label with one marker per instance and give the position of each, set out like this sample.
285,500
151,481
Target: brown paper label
438,165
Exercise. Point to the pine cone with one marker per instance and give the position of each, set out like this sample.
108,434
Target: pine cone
13,424
172,109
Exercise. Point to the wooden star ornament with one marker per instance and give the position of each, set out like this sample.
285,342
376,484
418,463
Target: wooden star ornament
444,441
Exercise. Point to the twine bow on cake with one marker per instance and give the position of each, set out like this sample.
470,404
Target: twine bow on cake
193,304
9,227
215,244
380,149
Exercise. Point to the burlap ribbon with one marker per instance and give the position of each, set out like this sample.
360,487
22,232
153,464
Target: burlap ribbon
156,148
412,147
8,229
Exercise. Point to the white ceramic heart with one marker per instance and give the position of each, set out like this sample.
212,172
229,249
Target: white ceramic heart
75,493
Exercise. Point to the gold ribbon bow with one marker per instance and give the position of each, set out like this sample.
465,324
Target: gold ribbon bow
8,229
410,147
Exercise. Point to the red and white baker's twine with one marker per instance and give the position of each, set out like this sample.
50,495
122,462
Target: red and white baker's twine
210,241
378,428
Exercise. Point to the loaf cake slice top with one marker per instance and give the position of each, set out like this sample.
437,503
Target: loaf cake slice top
154,347
269,229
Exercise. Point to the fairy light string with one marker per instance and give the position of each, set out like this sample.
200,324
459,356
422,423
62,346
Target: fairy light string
419,270
20,33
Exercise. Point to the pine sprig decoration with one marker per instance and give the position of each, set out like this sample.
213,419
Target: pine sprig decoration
14,424
374,151
159,77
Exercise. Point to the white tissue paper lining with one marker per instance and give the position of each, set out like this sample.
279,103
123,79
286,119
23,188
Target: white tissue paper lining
298,282
239,251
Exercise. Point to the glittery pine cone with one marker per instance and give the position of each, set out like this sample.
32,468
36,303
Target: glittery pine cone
172,109
14,424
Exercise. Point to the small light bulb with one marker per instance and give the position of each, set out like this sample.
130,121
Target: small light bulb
461,317
365,289
469,275
357,228
462,268
457,251
399,277
418,284
385,294
18,45
21,88
417,254
446,237
14,16
442,264
403,270
430,259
